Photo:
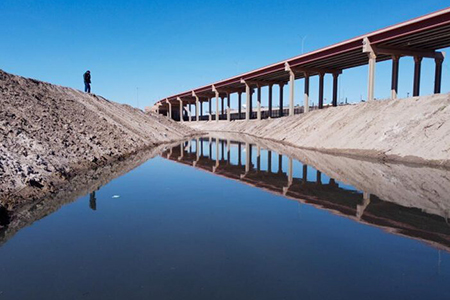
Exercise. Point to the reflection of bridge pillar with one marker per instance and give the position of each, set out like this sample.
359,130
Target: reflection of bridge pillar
197,151
361,208
217,156
280,163
269,161
305,173
201,147
228,151
222,144
210,147
319,177
247,157
92,201
181,151
190,146
258,158
333,182
170,153
239,154
290,177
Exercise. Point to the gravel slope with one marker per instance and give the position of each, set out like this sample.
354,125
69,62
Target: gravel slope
50,133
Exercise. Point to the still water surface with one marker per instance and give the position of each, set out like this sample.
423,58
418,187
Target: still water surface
232,220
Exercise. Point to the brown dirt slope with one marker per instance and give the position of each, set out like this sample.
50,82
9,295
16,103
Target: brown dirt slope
414,130
49,133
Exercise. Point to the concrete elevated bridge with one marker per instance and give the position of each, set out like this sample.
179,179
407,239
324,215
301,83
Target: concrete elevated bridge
419,38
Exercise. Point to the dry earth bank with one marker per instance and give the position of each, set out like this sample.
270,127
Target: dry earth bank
51,133
414,130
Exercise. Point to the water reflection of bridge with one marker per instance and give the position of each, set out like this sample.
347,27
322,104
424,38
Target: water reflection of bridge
214,155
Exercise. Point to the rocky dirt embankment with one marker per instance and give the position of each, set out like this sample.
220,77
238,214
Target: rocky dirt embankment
49,133
414,130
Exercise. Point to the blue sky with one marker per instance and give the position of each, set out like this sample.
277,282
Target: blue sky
148,50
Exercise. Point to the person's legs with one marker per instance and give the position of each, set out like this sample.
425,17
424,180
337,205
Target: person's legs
85,87
89,88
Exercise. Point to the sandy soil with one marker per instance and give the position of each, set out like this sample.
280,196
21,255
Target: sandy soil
51,133
414,130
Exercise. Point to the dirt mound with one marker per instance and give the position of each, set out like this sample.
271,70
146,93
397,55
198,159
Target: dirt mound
413,130
49,133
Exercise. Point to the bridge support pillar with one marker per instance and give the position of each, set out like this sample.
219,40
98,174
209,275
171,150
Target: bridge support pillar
417,68
394,83
239,105
291,92
335,89
222,106
258,103
281,98
210,108
270,100
248,102
438,75
197,109
371,77
201,109
170,110
228,107
181,109
217,106
321,77
306,94
189,113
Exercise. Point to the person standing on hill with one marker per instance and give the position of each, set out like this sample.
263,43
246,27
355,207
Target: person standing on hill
87,82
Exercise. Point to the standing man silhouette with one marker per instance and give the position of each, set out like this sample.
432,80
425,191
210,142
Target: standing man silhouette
87,82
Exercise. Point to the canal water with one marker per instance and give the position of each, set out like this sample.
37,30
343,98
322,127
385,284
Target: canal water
223,218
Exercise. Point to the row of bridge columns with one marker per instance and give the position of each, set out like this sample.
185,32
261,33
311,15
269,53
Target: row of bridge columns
250,86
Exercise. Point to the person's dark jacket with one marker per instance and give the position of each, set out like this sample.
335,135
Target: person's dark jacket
87,77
